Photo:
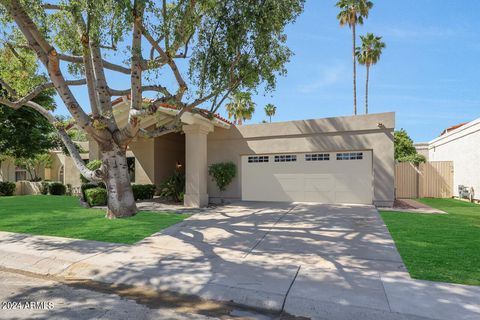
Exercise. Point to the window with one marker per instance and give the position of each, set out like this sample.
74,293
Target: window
20,174
286,158
317,157
350,156
256,159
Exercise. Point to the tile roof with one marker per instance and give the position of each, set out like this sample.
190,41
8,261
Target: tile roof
452,128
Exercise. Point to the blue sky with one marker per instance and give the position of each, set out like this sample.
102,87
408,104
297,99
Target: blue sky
428,74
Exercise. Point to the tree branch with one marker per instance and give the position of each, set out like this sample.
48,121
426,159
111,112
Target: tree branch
96,175
157,88
155,133
106,64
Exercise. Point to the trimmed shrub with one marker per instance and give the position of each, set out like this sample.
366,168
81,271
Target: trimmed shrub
86,186
173,187
143,191
222,173
92,165
7,188
57,189
45,187
96,196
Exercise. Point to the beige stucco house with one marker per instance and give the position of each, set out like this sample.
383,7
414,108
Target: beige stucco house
332,160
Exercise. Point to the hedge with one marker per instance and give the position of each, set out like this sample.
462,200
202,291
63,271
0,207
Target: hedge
57,189
86,186
7,188
143,191
96,196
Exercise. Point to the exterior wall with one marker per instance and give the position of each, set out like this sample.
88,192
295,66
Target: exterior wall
422,148
330,134
144,152
7,171
462,146
169,150
71,175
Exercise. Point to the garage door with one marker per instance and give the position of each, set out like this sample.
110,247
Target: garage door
326,177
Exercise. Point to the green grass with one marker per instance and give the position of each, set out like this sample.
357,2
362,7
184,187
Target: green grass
62,216
442,248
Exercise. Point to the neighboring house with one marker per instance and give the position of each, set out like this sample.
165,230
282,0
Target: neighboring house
422,148
460,144
333,160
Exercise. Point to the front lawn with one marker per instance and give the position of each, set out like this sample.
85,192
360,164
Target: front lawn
62,216
439,247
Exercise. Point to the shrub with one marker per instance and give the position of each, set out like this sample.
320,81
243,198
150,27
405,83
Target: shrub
143,191
45,187
7,188
69,189
173,187
222,173
86,186
57,189
92,165
96,196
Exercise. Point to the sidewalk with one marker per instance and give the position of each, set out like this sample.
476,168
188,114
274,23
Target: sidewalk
224,255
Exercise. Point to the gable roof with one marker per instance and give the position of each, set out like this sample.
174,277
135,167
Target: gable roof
451,128
208,115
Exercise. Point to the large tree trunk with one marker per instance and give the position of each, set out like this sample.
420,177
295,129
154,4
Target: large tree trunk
121,202
366,90
354,72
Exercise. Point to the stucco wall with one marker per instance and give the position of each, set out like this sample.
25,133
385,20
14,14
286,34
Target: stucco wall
330,134
462,146
422,148
7,171
169,150
144,152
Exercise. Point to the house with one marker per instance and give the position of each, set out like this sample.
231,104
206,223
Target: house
461,145
332,160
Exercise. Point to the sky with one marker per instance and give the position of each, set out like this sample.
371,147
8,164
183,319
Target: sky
428,73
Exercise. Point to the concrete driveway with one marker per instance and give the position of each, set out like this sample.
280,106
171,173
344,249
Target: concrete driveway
312,260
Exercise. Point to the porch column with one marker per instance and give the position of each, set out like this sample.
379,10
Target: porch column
196,171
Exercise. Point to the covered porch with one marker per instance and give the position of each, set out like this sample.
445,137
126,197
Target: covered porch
158,158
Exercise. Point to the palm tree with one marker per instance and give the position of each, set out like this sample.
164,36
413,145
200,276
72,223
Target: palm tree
352,13
368,55
270,110
241,107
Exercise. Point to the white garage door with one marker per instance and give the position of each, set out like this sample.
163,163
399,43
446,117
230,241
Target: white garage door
326,177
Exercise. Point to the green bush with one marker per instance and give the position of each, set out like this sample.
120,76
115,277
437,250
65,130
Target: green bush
143,191
7,188
222,173
96,196
173,187
57,189
92,165
86,186
45,187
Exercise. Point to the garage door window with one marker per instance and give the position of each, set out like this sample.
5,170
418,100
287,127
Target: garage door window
257,159
317,157
350,156
286,158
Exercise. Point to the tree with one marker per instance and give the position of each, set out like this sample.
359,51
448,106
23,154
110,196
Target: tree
241,107
226,45
404,149
34,164
368,55
270,110
352,13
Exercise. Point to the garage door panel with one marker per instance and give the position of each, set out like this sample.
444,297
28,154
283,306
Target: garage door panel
327,181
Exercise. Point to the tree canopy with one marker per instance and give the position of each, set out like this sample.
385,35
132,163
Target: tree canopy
404,149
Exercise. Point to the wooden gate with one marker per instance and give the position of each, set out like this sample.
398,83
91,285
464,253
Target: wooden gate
432,179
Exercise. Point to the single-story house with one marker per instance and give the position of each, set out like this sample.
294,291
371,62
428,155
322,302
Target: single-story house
333,160
461,145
